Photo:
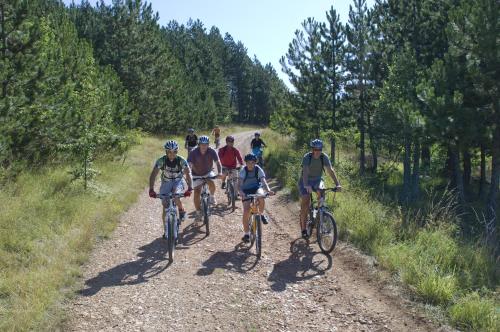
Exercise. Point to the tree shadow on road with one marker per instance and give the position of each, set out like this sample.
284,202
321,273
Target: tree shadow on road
304,263
151,262
239,260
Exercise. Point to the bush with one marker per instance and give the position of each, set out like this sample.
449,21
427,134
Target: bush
475,313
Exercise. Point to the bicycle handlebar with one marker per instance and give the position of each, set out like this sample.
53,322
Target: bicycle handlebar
194,177
176,195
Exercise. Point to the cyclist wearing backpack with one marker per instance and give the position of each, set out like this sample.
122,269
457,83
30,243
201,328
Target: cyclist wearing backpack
251,181
313,165
229,158
191,140
173,168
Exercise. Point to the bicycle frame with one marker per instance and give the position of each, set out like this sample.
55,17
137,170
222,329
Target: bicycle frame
255,224
204,195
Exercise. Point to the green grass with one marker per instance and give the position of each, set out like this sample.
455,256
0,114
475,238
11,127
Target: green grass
436,265
49,224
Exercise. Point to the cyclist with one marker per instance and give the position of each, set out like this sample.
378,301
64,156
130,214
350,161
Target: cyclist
201,160
191,140
256,146
251,181
216,134
229,158
313,165
172,167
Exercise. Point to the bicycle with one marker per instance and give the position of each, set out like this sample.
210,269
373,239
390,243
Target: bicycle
322,219
254,222
231,183
172,223
259,152
205,197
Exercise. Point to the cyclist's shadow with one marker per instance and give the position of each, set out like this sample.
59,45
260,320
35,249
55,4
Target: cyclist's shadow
239,260
152,261
301,265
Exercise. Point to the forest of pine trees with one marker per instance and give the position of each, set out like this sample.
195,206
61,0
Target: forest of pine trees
76,79
410,81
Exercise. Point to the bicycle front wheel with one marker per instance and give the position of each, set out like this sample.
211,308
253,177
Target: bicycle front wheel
205,215
170,237
327,233
232,194
258,236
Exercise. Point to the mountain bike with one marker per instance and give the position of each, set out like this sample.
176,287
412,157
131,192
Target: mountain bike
259,152
322,219
205,200
231,183
172,223
255,222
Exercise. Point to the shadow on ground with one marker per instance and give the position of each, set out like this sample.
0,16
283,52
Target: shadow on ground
303,263
240,260
151,262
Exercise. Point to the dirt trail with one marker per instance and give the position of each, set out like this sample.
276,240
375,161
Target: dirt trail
216,284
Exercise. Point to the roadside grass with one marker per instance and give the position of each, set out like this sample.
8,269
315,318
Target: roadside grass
435,264
48,226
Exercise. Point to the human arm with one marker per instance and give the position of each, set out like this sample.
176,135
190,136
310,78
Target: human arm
331,171
152,179
238,157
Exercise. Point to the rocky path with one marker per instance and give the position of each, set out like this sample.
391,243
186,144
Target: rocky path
217,284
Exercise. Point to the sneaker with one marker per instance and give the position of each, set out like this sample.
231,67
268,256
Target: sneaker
182,215
264,219
223,185
246,238
305,236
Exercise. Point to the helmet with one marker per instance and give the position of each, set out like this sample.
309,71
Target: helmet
250,157
257,133
203,140
317,144
230,138
190,130
171,145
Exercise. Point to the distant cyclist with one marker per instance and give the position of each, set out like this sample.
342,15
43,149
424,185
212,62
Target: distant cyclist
173,167
216,134
201,160
191,140
251,181
229,158
257,145
313,165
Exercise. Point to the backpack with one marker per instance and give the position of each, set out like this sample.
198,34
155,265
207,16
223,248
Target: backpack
256,171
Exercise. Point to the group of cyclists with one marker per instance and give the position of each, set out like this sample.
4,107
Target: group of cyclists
179,175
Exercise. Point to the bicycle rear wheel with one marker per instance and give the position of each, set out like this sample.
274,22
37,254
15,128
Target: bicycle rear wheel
206,220
327,233
258,236
252,226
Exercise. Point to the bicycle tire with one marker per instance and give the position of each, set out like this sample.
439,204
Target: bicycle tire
252,224
327,247
233,196
228,192
170,238
258,236
206,220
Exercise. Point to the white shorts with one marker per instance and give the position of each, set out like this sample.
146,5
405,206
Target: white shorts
199,182
176,186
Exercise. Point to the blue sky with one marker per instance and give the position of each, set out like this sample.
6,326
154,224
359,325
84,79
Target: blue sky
265,27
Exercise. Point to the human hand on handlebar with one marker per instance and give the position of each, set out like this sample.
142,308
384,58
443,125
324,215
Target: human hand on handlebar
152,193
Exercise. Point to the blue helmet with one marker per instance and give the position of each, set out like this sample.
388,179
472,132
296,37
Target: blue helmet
250,157
316,144
171,145
203,140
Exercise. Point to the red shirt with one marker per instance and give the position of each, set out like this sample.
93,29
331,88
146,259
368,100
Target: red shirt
228,156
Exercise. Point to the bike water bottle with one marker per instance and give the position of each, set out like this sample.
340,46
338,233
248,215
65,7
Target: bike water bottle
315,213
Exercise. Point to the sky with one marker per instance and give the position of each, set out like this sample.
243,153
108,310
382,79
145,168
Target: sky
265,27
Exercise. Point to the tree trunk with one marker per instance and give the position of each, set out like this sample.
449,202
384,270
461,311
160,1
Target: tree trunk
491,207
457,173
405,196
482,179
332,150
415,183
467,164
426,158
362,157
373,147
